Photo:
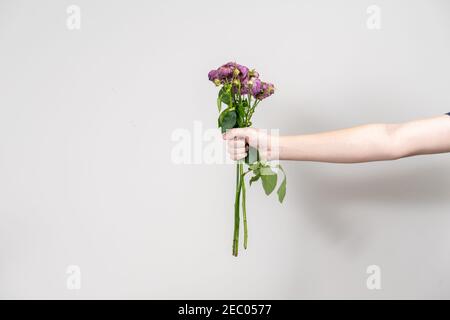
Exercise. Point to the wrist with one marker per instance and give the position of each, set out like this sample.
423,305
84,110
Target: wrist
287,148
276,144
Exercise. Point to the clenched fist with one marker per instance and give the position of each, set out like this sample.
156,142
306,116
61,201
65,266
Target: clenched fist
240,139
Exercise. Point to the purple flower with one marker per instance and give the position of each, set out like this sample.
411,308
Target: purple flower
213,75
242,77
252,86
256,87
225,72
267,89
228,72
243,71
218,76
230,64
244,86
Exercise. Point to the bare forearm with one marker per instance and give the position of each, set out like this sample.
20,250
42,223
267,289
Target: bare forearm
372,142
358,144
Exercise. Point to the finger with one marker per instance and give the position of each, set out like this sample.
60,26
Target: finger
236,151
235,133
238,156
236,143
233,151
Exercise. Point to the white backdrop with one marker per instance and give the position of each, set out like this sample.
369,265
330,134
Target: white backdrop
87,179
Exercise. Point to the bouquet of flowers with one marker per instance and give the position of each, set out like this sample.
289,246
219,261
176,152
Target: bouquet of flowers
241,91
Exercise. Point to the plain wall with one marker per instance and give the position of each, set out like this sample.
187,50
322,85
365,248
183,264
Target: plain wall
87,178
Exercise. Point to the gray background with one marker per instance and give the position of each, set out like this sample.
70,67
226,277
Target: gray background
86,176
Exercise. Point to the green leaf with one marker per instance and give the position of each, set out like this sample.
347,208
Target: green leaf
269,180
225,95
226,98
266,170
282,188
254,166
222,115
241,116
254,178
227,119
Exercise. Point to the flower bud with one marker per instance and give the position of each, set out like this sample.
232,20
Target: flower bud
253,73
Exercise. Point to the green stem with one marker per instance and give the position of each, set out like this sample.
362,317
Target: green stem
239,93
244,209
247,116
236,210
251,111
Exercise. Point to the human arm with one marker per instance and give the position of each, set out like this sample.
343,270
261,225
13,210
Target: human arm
372,142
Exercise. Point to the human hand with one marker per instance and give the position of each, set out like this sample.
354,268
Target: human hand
240,138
